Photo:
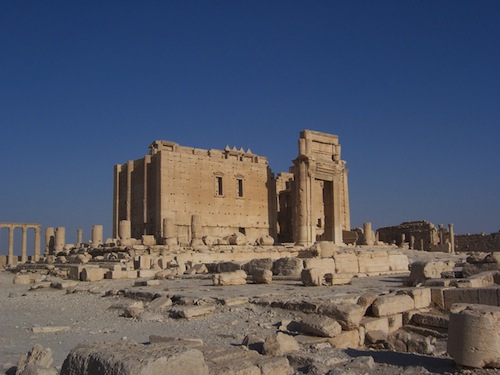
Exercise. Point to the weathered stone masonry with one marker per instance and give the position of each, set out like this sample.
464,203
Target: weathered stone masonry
181,194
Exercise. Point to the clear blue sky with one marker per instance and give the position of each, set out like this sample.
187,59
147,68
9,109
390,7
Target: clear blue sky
412,89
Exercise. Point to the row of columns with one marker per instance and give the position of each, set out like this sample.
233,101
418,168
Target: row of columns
24,251
55,238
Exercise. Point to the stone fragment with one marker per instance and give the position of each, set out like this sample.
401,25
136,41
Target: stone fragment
223,267
159,303
63,284
260,276
376,324
474,335
134,309
326,249
50,329
177,341
189,312
430,320
279,344
338,278
375,337
288,267
266,240
373,262
392,304
128,358
38,361
483,296
348,315
155,282
238,239
421,297
327,265
230,278
274,366
319,325
398,262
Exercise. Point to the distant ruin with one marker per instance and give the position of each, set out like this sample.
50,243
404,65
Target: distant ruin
181,194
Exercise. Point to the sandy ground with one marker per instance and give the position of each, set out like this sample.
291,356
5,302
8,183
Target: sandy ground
91,316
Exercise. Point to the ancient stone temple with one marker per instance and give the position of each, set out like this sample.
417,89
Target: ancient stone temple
182,194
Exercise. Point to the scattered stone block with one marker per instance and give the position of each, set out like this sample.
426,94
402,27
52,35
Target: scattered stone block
326,249
376,324
421,297
92,274
392,304
263,264
154,282
373,262
346,339
319,325
395,322
230,278
346,262
38,361
134,309
188,312
50,329
128,358
338,278
312,276
375,337
398,262
63,284
233,301
348,315
288,267
327,265
424,270
484,296
474,335
430,320
279,344
274,366
160,303
261,276
21,279
187,342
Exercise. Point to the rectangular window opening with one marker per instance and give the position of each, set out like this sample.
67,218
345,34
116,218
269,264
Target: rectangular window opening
219,190
240,187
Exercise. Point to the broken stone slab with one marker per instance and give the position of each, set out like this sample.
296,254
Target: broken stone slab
230,278
129,358
132,310
348,315
188,312
398,262
484,296
159,303
330,358
346,262
319,325
474,335
338,278
373,262
38,361
261,276
233,301
27,278
325,264
392,304
430,320
279,344
263,264
376,324
421,297
274,365
50,329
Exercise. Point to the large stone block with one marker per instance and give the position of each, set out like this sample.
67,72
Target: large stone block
474,335
326,264
398,262
484,296
346,262
312,276
288,267
424,270
318,325
92,274
347,339
421,297
373,262
280,344
260,276
348,315
392,304
128,358
376,324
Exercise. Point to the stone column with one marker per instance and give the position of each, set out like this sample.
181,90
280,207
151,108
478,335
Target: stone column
169,231
79,236
337,211
125,229
11,246
96,235
301,196
196,227
60,239
24,254
367,230
441,235
452,237
36,255
50,236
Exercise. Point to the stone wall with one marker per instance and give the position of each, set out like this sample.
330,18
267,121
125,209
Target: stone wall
478,242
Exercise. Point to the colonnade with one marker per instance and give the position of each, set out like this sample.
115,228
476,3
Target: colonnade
24,253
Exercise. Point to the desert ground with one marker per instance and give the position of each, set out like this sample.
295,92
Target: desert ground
88,312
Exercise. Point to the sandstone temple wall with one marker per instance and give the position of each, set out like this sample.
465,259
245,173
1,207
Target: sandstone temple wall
478,242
